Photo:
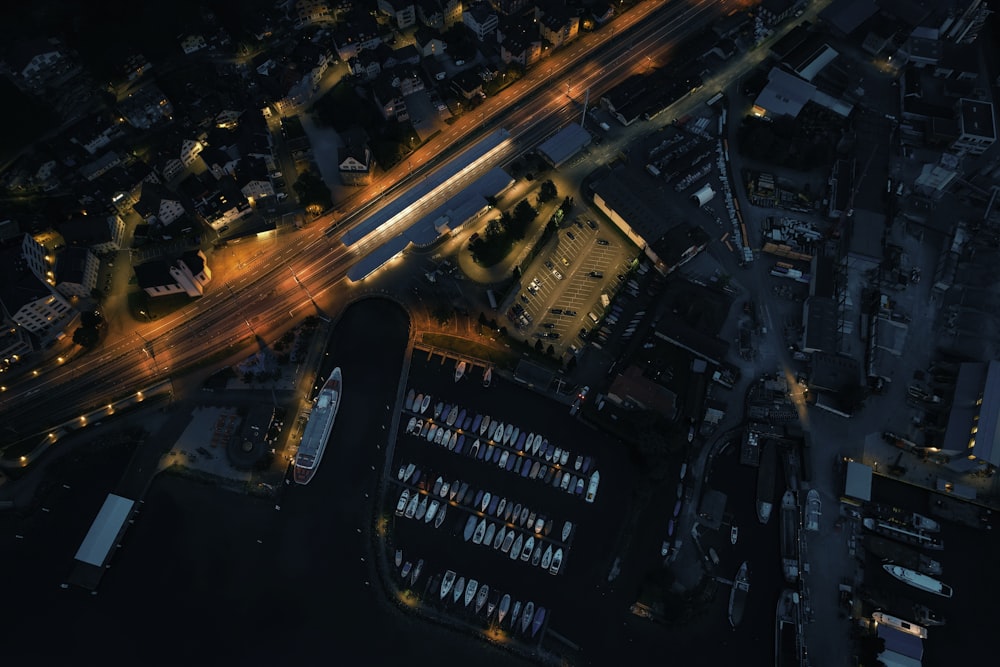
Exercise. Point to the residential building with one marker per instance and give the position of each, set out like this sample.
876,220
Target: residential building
480,19
157,205
192,44
402,12
219,162
429,43
439,14
146,107
509,7
311,12
189,274
96,168
355,34
37,63
976,125
29,303
355,161
253,181
556,24
15,343
39,254
76,271
467,85
389,99
101,233
222,207
521,49
95,132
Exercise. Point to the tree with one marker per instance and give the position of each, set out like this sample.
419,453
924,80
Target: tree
550,350
85,337
538,345
312,191
91,318
547,192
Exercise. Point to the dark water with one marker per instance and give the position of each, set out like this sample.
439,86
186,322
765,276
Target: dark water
192,583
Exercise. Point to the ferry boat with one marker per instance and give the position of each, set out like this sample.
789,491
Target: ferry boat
318,428
918,580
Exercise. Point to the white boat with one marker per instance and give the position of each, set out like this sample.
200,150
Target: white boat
447,583
734,534
470,527
410,424
452,416
595,480
507,430
491,530
684,469
502,506
514,435
470,591
531,520
564,457
664,548
918,580
484,593
504,608
418,428
540,443
411,507
407,568
484,426
457,590
416,572
501,536
536,555
438,409
408,404
557,455
431,511
539,524
567,529
444,489
474,449
548,454
495,432
507,541
578,462
431,432
318,428
437,485
503,459
527,616
529,442
399,557
439,519
408,472
453,441
557,559
425,403
418,403
567,478
459,370
485,502
534,470
477,538
529,546
515,550
403,499
488,376
547,557
439,435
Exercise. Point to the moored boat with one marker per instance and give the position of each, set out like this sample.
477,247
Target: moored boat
557,559
536,623
491,602
579,486
566,480
408,403
416,572
515,613
515,550
487,497
738,594
399,557
502,506
484,593
595,480
407,568
459,370
444,489
411,507
477,537
765,481
458,590
447,583
529,546
432,432
501,536
462,491
476,423
408,472
918,580
431,511
421,508
452,416
564,457
425,403
547,557
403,499
470,527
491,530
567,529
437,485
411,424
503,608
484,426
488,376
470,591
528,442
507,430
578,462
439,519
460,421
438,409
527,616
906,535
536,555
318,428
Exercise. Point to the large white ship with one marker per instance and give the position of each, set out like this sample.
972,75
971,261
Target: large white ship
918,580
318,429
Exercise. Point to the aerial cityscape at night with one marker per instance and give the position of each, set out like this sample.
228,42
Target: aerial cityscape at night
523,332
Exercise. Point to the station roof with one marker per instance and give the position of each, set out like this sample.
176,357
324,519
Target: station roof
104,531
564,144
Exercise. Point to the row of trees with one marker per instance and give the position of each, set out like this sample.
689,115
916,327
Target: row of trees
501,234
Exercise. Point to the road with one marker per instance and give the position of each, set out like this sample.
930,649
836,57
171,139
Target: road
261,297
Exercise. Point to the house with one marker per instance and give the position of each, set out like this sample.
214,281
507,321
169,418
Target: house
156,205
401,12
389,99
365,65
15,343
407,79
227,119
510,7
467,85
223,206
355,34
522,49
354,159
100,233
555,24
301,77
480,19
439,14
182,154
95,132
146,107
122,185
76,272
100,166
977,127
37,63
189,274
192,44
307,13
219,162
253,181
429,43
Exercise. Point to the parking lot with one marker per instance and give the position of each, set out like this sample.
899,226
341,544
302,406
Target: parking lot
565,283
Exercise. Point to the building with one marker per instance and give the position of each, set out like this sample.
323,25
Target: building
76,272
556,24
156,205
973,428
146,107
253,180
37,63
355,161
402,12
192,44
356,34
189,274
773,12
39,252
311,12
15,343
30,304
101,233
429,43
785,94
630,389
480,19
976,125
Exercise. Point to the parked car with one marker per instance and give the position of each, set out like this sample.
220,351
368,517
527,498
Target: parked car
602,242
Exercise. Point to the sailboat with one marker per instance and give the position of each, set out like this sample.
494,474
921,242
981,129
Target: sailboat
504,607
